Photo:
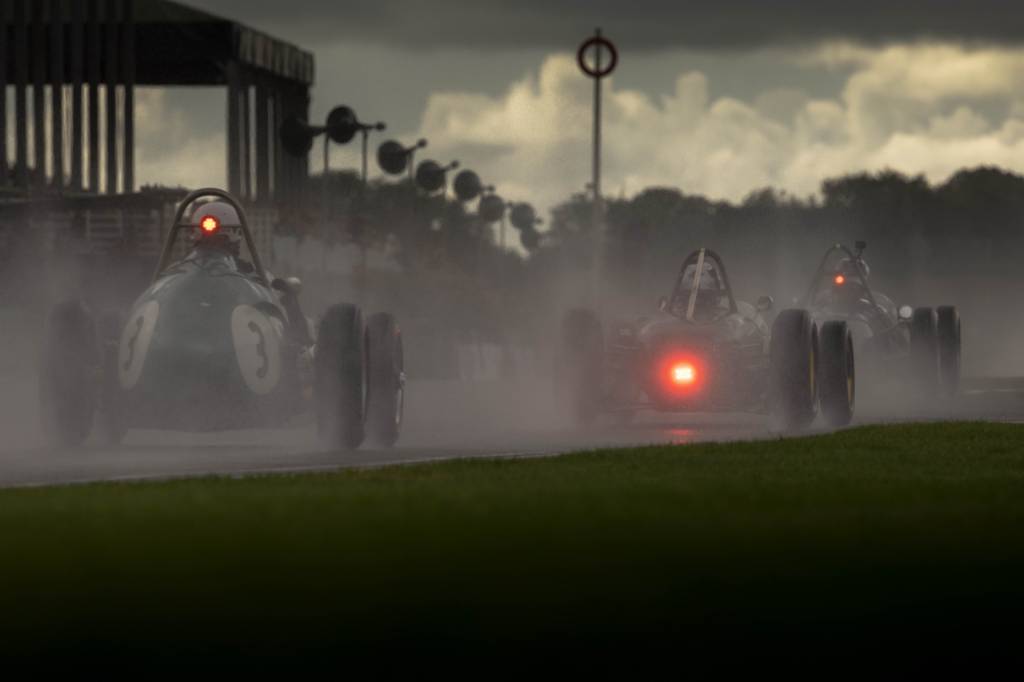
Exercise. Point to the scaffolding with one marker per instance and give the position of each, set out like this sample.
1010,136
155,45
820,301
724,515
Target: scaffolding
73,53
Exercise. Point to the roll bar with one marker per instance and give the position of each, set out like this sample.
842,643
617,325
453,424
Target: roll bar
191,198
698,257
855,259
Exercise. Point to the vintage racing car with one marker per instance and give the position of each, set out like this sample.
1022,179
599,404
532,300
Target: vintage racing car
705,351
216,342
919,346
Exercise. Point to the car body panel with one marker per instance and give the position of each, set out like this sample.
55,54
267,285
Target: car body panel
727,350
205,348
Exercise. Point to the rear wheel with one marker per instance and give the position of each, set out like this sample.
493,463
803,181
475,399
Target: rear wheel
341,373
111,407
924,350
793,368
580,370
387,380
836,376
948,331
68,376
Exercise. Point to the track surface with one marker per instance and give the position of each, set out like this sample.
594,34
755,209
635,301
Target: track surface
444,420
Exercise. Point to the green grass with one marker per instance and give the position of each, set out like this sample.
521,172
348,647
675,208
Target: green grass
879,538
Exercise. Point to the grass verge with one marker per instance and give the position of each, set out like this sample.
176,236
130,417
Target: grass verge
901,539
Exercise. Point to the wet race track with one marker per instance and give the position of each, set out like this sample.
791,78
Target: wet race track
444,420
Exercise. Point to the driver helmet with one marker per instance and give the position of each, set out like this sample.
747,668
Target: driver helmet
217,223
709,290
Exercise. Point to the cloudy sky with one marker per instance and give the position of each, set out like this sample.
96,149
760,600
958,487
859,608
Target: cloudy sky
719,98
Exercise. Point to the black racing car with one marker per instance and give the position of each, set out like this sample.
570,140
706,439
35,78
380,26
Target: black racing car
216,342
705,351
919,346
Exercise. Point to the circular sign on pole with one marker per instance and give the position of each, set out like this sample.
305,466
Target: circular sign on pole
599,69
530,239
429,176
392,157
491,208
523,217
296,136
342,125
467,185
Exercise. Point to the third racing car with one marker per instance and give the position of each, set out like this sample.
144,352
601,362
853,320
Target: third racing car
705,351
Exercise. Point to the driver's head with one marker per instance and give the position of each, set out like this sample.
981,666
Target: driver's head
708,301
218,225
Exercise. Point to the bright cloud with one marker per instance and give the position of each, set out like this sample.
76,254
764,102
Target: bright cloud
914,108
172,150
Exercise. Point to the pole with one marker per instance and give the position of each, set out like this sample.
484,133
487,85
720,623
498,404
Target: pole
325,202
597,71
597,216
56,93
366,135
77,110
4,173
234,120
360,217
21,62
128,68
93,52
597,124
110,57
324,195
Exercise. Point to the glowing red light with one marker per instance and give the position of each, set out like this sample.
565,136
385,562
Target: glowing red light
840,280
683,374
209,224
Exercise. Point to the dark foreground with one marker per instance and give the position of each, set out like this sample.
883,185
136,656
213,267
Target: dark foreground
900,542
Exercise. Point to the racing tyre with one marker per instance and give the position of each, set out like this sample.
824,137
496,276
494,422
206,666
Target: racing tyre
580,370
948,332
387,379
793,369
68,375
924,350
340,377
110,406
836,375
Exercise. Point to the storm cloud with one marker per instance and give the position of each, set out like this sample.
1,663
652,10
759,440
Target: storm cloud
637,25
921,109
715,98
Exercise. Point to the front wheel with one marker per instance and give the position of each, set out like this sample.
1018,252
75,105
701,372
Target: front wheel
111,408
948,330
68,377
387,379
793,365
924,351
579,370
340,383
836,374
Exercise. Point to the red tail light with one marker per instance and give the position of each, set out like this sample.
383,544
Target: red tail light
680,375
683,374
209,224
840,280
